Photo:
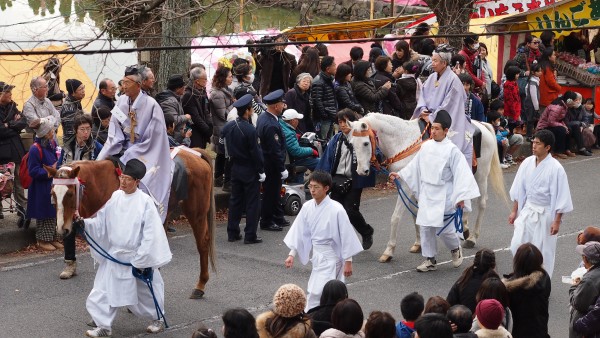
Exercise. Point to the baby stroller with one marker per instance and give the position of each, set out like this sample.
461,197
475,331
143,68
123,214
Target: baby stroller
7,186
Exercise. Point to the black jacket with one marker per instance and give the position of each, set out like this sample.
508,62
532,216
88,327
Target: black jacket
323,98
346,99
589,324
195,103
320,318
368,96
466,295
11,147
101,101
406,90
528,302
391,103
70,108
295,99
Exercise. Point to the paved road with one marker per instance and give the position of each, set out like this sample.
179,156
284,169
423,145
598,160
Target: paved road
35,303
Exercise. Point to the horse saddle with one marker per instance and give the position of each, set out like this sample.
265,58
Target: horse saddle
179,184
477,142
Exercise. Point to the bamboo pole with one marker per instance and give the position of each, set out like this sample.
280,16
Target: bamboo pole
241,16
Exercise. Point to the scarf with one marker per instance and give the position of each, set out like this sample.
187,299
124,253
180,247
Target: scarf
533,56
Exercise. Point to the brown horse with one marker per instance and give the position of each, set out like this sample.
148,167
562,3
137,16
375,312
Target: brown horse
100,180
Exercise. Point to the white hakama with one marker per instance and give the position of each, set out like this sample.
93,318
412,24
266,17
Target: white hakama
541,191
440,177
326,229
129,228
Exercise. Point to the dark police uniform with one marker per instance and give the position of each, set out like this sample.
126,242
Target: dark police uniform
241,143
272,142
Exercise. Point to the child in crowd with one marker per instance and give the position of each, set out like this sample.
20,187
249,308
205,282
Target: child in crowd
170,123
408,87
501,136
473,106
531,103
411,307
514,140
512,98
589,107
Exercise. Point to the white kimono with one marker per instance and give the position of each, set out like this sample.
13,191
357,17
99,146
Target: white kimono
129,228
439,179
541,191
327,230
150,146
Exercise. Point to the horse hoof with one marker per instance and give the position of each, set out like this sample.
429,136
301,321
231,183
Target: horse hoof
197,294
468,244
466,234
416,248
385,259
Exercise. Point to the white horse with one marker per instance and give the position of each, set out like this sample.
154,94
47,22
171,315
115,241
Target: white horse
399,140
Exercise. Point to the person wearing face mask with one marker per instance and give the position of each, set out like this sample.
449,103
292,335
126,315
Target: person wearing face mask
245,78
553,119
470,51
576,120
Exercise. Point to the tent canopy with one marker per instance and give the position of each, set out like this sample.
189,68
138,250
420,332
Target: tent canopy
345,30
19,70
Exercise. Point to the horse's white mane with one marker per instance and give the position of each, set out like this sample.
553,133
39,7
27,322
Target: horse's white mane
387,124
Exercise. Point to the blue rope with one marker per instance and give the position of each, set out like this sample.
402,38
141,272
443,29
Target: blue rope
455,217
148,280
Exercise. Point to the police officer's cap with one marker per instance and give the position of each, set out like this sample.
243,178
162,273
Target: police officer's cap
274,97
135,168
243,101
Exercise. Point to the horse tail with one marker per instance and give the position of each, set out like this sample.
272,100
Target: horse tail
496,177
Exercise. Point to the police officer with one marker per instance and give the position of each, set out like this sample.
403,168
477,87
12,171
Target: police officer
272,142
241,147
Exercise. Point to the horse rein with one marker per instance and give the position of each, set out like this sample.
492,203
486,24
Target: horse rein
410,150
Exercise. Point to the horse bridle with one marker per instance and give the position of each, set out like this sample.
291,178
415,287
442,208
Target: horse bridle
411,149
71,181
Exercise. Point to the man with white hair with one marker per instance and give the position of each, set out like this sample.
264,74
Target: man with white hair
443,90
38,106
148,80
137,130
195,104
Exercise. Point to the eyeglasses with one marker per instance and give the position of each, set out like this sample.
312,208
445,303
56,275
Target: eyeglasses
84,129
536,42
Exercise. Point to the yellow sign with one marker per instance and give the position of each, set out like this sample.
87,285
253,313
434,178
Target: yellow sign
570,14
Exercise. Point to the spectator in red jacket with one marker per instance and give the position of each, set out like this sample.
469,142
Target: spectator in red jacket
470,51
512,99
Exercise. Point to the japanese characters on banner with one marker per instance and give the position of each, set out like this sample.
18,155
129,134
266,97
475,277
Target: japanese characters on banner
489,8
571,14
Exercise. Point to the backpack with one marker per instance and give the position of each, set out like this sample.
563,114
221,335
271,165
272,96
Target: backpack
24,169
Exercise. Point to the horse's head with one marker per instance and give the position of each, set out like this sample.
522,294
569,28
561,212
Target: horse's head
64,196
364,143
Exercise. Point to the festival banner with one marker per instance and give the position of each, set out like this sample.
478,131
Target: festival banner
571,14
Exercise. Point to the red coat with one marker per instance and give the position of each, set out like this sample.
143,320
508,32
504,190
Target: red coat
549,88
512,100
469,61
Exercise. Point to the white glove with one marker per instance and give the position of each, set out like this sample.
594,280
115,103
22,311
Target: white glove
284,174
262,177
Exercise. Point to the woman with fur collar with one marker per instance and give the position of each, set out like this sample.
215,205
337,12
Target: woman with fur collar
529,289
287,319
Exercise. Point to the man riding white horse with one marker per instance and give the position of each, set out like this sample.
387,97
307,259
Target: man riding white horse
443,90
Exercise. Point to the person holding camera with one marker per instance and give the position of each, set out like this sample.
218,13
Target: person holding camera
339,160
275,66
383,75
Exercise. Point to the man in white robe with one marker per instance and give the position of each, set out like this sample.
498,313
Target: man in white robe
541,196
442,181
137,130
323,226
129,228
443,90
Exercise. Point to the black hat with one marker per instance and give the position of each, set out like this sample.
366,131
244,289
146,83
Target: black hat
175,81
72,85
443,118
135,168
274,97
5,87
244,101
132,70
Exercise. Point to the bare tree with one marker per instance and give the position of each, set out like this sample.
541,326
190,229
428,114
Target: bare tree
452,17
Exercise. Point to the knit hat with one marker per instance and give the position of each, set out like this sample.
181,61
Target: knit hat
43,127
72,85
289,301
489,313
